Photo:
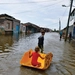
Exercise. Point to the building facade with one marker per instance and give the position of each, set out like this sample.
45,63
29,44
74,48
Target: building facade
71,23
8,24
30,28
22,28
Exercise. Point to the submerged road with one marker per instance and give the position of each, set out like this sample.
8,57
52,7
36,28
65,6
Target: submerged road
13,47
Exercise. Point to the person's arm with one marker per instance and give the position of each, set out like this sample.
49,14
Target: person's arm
41,57
30,55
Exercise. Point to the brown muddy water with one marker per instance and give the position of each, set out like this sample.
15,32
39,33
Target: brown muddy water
13,47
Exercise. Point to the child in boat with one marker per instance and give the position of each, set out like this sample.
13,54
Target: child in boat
35,56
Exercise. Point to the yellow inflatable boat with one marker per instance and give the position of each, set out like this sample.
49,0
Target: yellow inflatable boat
45,63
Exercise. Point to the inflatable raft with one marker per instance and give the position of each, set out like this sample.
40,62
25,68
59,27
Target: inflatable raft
45,63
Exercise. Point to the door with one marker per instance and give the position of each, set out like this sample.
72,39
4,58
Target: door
17,28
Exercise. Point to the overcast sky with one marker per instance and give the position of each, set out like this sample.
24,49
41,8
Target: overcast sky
44,13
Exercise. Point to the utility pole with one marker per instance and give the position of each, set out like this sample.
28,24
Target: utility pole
68,20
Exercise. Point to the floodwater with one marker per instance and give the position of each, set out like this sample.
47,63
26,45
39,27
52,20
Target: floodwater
13,47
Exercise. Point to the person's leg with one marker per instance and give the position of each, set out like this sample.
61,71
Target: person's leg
60,37
41,49
39,46
39,64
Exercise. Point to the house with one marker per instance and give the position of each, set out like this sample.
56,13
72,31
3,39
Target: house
72,23
8,24
31,28
46,29
22,28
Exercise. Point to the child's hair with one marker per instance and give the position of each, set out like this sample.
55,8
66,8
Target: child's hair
37,49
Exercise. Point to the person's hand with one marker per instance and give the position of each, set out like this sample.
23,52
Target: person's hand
43,58
29,52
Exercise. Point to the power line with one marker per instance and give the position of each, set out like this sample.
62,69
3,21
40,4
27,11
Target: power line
28,2
22,12
62,16
31,2
43,7
64,13
54,3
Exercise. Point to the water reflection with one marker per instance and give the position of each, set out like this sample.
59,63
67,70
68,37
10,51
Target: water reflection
66,65
7,41
31,71
63,62
16,37
69,55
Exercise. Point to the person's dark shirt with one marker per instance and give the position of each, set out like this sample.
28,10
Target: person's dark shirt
41,40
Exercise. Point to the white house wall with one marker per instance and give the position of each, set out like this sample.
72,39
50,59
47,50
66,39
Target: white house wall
71,22
22,28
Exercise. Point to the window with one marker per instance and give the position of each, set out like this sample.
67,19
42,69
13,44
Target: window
8,26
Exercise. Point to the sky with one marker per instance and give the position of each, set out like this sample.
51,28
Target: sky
44,13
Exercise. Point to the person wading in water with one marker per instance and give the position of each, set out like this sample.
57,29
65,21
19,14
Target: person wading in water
41,40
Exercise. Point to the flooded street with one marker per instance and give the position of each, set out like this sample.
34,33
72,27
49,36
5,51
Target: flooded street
13,47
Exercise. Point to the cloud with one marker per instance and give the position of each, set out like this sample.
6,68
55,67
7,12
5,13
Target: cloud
41,12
